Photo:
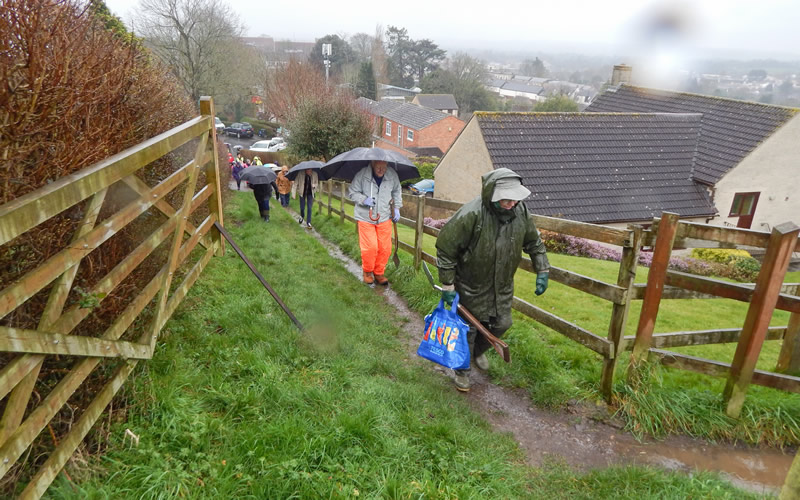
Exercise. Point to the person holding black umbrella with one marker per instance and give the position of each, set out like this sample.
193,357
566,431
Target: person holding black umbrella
262,180
375,189
305,184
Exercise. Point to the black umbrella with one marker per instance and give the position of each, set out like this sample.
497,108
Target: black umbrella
258,174
346,165
300,167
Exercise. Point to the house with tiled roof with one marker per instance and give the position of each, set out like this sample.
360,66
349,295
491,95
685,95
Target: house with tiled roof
410,129
748,154
605,168
446,103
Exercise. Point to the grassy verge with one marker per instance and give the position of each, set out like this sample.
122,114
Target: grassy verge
555,370
238,404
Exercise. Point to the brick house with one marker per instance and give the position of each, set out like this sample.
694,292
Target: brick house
410,129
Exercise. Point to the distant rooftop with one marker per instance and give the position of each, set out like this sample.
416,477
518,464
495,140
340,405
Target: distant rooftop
437,101
730,129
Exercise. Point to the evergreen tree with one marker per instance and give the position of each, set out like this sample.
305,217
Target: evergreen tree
366,86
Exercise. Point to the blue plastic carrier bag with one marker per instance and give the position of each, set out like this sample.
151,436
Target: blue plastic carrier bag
445,338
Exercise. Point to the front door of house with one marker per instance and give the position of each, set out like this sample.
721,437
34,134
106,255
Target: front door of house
744,207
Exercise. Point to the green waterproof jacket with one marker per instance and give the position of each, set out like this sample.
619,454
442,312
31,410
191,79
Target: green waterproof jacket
480,248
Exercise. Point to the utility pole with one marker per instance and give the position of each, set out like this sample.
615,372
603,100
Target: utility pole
326,51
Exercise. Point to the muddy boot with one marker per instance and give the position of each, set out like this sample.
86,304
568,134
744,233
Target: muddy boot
481,362
368,278
462,382
381,279
265,215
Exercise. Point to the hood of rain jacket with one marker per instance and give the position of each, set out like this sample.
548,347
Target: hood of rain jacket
481,246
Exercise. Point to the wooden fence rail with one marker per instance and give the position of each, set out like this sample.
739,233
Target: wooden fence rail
55,333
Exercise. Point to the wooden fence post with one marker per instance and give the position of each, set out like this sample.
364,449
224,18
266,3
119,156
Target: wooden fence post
419,231
330,196
212,175
762,304
789,360
791,488
656,278
341,202
619,312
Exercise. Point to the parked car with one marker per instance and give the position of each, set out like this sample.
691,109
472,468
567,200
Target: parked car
240,130
425,186
260,147
276,144
219,125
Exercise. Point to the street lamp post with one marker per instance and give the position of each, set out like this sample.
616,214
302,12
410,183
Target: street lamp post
326,51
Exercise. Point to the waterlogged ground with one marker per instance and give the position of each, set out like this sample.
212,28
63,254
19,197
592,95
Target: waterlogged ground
587,437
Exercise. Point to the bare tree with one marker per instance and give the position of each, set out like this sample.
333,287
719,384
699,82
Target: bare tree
379,57
466,67
196,38
361,44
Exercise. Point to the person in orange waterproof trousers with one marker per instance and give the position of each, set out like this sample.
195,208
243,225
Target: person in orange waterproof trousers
377,196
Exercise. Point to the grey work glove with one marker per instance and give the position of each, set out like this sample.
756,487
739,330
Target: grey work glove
448,294
541,282
369,202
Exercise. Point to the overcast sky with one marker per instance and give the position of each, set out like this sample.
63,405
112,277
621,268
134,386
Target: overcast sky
731,28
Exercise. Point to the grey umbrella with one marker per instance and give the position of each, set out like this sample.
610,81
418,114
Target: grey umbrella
346,165
258,174
312,164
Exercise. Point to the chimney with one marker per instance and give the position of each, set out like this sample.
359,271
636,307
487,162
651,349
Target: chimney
621,74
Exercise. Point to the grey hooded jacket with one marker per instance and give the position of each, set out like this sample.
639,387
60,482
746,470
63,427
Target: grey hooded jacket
363,186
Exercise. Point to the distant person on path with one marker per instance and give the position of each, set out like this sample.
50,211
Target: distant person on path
236,172
263,192
257,161
306,185
477,253
284,186
373,189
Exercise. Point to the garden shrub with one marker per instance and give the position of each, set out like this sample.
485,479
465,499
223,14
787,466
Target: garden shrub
719,255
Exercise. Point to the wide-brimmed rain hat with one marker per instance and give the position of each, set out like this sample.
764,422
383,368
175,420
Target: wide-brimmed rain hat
510,188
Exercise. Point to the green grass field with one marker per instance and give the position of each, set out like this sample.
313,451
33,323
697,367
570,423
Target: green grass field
237,403
554,369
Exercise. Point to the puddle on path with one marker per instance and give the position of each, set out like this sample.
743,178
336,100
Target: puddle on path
583,442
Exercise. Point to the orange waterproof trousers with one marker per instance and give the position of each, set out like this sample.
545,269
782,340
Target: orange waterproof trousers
375,241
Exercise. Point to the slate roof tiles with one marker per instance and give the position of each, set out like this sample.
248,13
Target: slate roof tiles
601,167
730,129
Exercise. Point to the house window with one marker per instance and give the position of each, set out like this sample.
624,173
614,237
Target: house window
743,204
388,128
410,135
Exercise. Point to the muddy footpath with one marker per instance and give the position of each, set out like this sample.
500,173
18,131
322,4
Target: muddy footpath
583,435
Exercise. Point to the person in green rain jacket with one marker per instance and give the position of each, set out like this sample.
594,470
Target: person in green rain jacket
477,253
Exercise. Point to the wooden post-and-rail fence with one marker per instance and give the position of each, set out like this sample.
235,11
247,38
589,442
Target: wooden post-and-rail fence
768,294
56,331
